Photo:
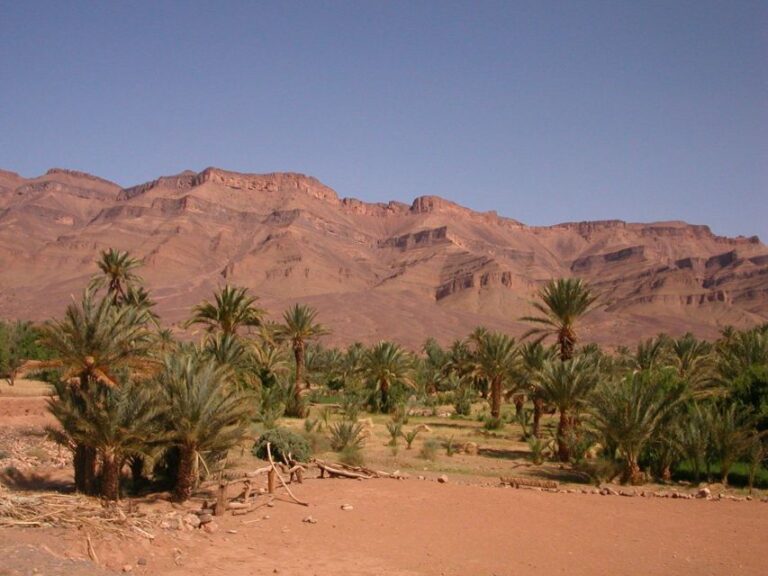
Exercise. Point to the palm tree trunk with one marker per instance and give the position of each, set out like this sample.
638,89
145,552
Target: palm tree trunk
384,387
85,469
496,398
137,470
519,400
298,353
563,428
633,475
538,410
185,480
110,477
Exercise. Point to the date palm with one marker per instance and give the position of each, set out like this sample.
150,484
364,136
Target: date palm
206,414
386,365
117,422
90,345
533,356
561,303
231,309
298,328
567,385
117,274
497,361
628,413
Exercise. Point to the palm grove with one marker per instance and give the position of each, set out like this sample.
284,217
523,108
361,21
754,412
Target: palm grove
130,396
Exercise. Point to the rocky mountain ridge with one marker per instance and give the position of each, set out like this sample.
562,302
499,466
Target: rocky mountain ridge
374,270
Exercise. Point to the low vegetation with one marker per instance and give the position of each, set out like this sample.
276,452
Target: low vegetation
127,393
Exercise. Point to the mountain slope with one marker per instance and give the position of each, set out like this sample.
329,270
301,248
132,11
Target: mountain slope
373,270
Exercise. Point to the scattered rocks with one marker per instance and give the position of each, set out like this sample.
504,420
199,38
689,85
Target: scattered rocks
192,520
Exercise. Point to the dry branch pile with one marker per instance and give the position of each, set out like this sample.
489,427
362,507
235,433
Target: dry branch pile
71,510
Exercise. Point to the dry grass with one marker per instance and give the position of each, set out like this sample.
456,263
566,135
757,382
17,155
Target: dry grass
24,387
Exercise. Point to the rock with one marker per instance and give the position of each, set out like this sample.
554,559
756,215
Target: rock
309,520
442,479
231,531
422,478
141,561
127,568
192,520
211,527
704,493
347,507
205,518
627,493
471,448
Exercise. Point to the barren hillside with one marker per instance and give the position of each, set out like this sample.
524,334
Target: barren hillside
373,270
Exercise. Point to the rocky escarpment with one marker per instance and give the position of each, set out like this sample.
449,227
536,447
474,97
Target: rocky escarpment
374,270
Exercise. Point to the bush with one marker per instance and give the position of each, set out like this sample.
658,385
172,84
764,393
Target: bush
346,435
351,456
462,402
429,449
491,423
285,444
599,470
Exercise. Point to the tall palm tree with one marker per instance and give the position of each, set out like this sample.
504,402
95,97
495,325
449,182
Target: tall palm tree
694,361
628,412
231,309
567,385
497,362
385,365
205,414
94,341
298,328
561,303
117,273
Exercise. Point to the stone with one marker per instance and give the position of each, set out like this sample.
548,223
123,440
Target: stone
704,493
205,518
127,568
192,520
442,479
141,561
471,448
347,507
211,527
309,520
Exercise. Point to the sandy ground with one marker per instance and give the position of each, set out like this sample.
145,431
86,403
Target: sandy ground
417,527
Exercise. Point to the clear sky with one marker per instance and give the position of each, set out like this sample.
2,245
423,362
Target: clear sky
544,111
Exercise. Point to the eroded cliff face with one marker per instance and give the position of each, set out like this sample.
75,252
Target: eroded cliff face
374,270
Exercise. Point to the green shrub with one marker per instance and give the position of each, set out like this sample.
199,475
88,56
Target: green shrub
450,447
491,423
462,401
410,436
285,444
395,429
351,456
429,449
599,470
346,434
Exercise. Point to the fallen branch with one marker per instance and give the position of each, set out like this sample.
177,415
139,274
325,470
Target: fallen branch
279,477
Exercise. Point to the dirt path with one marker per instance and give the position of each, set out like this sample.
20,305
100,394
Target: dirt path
413,527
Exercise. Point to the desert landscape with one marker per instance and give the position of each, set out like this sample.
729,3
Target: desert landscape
383,288
256,448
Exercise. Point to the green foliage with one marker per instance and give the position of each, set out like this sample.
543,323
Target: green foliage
491,423
351,456
285,445
410,436
231,309
450,446
395,429
294,402
538,447
346,434
429,449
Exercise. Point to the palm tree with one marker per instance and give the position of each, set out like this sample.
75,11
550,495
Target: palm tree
298,328
533,356
628,412
117,422
94,341
385,365
567,385
118,274
232,308
497,362
731,433
562,303
205,414
694,361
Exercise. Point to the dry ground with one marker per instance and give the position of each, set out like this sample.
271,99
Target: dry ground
414,527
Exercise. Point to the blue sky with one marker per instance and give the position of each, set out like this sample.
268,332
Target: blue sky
543,111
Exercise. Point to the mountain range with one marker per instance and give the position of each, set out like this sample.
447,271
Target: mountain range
373,270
